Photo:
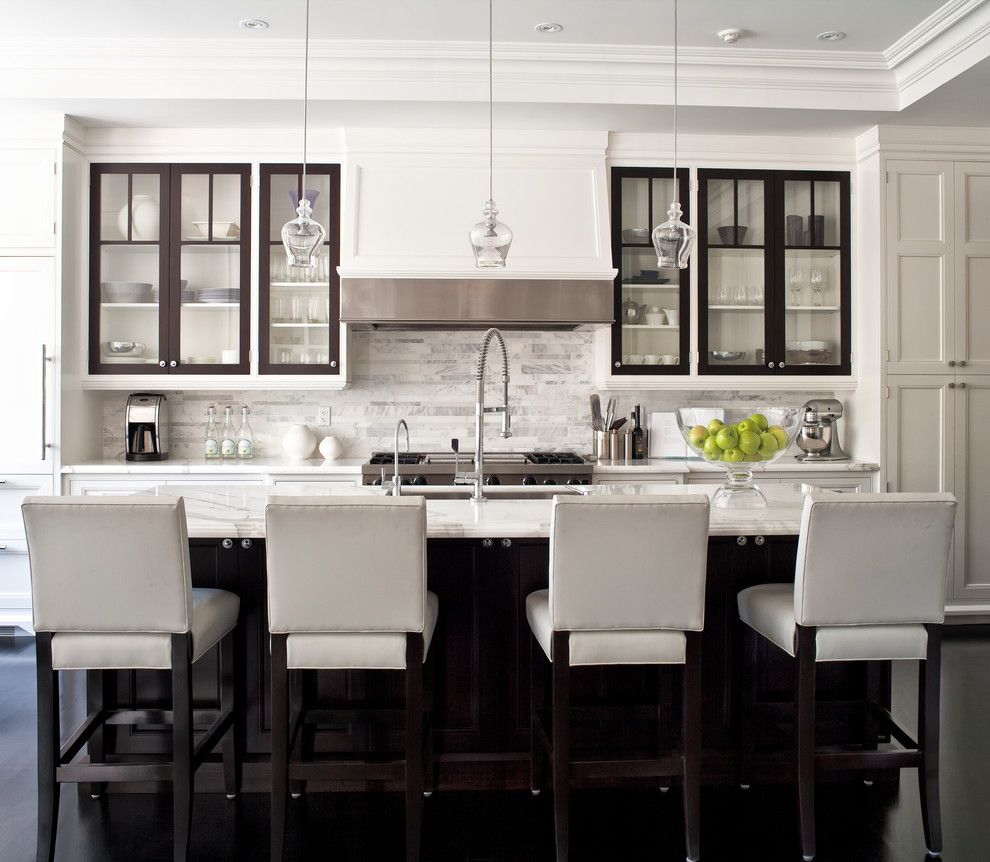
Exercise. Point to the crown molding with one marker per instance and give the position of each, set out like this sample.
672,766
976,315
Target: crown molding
922,34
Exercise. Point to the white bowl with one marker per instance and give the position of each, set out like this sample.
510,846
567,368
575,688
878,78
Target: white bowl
221,229
125,291
656,318
808,345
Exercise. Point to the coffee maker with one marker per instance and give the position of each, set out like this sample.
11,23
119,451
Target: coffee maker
146,427
818,436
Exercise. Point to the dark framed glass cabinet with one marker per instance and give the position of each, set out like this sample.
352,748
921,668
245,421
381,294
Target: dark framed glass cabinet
651,333
170,269
299,313
774,279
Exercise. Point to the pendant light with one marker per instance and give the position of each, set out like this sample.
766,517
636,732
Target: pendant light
674,240
302,236
490,238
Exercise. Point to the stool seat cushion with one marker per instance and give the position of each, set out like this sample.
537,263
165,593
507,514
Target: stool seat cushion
769,609
214,614
358,650
616,646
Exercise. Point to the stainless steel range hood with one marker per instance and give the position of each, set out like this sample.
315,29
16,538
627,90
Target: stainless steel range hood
476,303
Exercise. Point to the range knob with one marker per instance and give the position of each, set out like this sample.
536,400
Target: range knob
377,481
528,480
493,480
549,481
573,481
420,480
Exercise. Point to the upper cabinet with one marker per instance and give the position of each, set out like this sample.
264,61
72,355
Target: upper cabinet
27,176
299,309
774,273
651,333
170,258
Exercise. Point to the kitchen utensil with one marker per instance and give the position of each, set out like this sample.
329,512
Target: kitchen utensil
673,316
618,423
732,235
728,446
124,348
609,413
818,437
596,413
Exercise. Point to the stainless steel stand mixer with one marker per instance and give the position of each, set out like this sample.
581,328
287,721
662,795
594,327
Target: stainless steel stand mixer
818,436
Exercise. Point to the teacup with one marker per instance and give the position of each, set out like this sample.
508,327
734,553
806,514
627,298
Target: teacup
651,359
635,358
671,359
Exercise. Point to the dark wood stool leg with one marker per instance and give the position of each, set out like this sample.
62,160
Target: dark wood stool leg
97,683
429,761
665,697
929,699
561,742
280,744
182,744
231,744
414,745
692,746
48,748
750,645
537,702
297,689
805,697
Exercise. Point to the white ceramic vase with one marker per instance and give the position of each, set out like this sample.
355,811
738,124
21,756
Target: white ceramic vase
298,443
331,448
144,218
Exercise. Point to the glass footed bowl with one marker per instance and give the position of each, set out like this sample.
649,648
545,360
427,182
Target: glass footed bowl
745,446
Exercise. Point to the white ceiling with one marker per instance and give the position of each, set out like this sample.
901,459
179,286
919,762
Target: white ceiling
871,25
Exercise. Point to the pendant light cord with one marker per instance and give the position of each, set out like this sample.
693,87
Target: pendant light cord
491,102
676,196
305,103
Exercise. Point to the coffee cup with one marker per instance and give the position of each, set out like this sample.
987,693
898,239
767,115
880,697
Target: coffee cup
635,358
671,359
651,359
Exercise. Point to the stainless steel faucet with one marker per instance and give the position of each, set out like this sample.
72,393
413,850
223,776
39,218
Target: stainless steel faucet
396,483
476,477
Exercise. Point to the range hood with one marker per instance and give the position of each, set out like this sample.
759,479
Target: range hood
476,303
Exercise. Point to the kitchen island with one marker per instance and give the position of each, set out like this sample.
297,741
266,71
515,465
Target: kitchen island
483,560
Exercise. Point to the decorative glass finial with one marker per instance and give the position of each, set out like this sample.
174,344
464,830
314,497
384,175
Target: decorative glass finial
303,237
674,240
490,239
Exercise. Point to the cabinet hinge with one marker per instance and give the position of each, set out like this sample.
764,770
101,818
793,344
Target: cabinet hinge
55,227
888,391
55,169
886,177
888,354
888,487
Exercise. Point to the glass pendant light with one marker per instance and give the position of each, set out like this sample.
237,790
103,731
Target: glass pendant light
490,238
674,240
302,236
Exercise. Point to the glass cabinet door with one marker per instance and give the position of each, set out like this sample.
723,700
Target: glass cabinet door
814,236
128,269
299,329
735,262
652,310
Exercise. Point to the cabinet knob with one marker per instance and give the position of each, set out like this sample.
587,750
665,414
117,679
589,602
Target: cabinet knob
246,544
227,544
486,543
771,364
741,541
618,364
172,364
781,365
506,543
760,541
952,363
952,386
962,363
333,363
161,363
962,385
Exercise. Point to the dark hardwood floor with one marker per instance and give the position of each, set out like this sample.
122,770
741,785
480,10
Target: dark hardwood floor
855,823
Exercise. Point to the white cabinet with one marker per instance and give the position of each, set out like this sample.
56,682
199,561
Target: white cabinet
27,210
971,415
15,584
103,485
13,489
27,326
972,266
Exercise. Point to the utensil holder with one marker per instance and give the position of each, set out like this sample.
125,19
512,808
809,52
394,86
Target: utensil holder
609,445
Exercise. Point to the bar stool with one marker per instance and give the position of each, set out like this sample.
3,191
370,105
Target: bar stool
869,586
627,587
347,591
111,590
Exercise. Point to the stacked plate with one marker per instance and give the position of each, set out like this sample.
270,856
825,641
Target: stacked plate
218,294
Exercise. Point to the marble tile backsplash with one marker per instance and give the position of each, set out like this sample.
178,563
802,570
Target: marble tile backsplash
427,378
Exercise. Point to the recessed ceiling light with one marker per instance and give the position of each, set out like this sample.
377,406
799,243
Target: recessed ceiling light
548,27
831,36
254,24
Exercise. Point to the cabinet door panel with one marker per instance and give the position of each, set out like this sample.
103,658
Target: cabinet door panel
27,216
973,265
920,443
972,489
920,267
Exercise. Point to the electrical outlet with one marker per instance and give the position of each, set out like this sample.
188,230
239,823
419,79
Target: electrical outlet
323,417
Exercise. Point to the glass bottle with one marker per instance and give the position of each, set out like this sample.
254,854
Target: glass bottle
639,442
211,446
245,437
228,440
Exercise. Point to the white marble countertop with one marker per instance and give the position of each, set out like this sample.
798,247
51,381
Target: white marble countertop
786,464
192,466
226,511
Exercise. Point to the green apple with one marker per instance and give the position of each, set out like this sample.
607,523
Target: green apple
780,434
697,436
712,450
748,425
715,426
733,456
727,438
749,441
760,420
768,444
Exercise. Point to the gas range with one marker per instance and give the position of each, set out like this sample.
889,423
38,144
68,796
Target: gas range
501,468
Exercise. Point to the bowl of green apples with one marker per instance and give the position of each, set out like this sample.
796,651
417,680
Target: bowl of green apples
737,439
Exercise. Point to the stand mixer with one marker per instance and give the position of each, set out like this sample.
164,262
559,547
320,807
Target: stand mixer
818,436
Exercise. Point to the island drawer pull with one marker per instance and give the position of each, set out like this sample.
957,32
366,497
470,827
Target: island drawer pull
246,544
3,547
506,543
741,540
227,544
759,540
486,543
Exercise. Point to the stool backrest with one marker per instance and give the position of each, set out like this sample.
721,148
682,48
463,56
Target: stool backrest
628,562
109,564
873,558
346,564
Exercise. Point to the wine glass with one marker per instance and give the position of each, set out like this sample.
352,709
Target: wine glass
817,282
794,283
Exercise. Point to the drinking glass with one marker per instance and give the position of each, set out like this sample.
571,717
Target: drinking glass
794,283
739,295
817,282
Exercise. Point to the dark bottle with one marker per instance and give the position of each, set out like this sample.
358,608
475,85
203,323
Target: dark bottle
639,440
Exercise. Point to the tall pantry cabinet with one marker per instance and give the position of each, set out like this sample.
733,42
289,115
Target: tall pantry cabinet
937,324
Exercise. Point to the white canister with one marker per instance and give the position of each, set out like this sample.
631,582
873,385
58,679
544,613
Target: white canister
144,218
331,448
655,317
298,443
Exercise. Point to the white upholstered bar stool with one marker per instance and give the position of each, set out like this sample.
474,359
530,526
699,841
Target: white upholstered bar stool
347,591
869,585
627,587
111,590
